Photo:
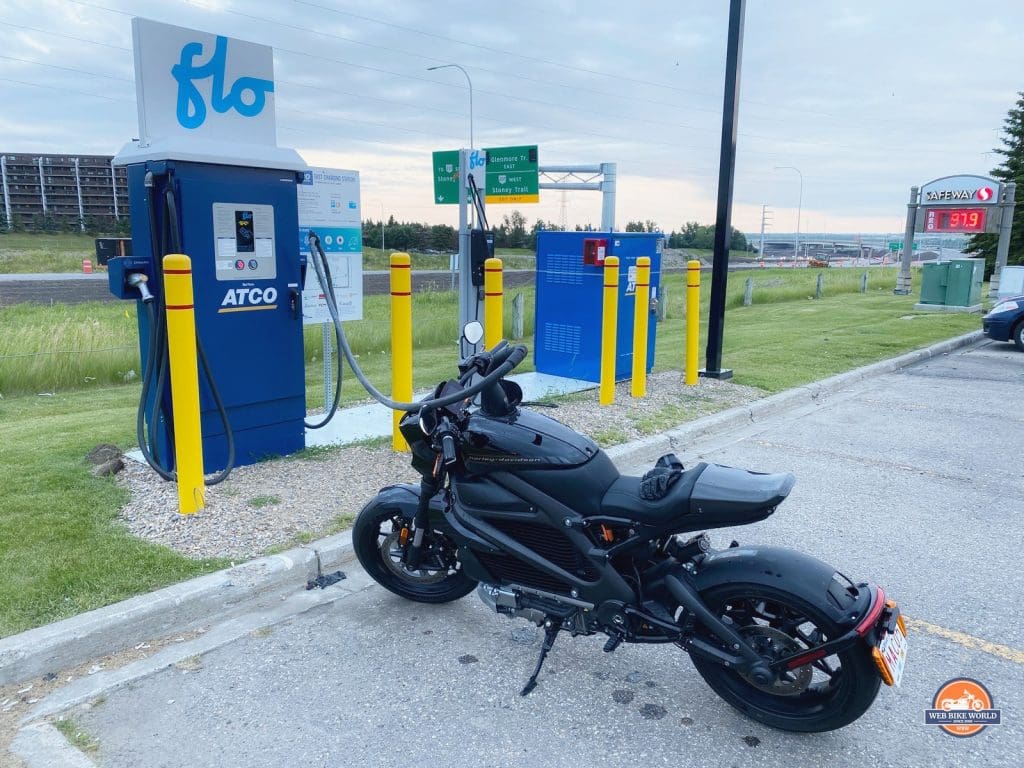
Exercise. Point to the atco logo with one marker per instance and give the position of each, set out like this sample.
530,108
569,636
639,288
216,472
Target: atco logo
247,95
249,297
962,707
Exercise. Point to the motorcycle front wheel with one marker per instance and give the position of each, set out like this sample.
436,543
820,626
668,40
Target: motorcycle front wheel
378,541
821,696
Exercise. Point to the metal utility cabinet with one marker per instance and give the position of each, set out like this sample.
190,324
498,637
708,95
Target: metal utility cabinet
568,312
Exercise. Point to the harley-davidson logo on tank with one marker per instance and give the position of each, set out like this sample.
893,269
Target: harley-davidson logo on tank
960,204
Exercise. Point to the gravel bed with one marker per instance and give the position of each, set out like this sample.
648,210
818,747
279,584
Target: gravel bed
282,502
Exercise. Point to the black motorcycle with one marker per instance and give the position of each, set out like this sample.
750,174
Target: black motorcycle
538,519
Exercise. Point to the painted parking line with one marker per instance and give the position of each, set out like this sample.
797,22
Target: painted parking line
967,641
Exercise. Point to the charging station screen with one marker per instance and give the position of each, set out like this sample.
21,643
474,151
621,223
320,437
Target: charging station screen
244,241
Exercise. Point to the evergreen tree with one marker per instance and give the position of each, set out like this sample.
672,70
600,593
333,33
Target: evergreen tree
1011,169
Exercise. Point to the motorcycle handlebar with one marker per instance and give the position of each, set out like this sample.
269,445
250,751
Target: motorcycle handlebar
514,358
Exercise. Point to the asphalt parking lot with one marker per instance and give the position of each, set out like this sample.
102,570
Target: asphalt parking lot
911,479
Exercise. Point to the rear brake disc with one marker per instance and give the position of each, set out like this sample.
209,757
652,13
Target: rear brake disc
775,644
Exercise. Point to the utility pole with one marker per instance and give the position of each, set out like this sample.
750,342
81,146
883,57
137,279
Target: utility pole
765,222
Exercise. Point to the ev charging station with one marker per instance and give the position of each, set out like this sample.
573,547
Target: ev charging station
207,179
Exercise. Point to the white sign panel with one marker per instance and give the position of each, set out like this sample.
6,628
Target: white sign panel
329,205
202,86
961,190
1011,282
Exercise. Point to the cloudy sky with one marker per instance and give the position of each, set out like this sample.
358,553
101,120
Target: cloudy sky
865,98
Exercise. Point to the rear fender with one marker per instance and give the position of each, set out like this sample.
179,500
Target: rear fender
806,577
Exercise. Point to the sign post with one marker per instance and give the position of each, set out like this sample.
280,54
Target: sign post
1003,248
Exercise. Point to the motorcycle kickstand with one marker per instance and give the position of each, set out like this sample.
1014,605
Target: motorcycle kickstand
551,628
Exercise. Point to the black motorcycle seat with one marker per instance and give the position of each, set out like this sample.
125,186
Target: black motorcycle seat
712,496
622,499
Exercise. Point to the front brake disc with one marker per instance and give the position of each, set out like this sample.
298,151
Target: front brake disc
391,554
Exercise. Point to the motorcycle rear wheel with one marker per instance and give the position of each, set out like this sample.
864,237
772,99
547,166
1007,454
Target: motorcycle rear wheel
821,696
375,540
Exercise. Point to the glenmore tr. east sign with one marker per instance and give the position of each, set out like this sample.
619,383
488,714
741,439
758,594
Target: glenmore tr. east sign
202,85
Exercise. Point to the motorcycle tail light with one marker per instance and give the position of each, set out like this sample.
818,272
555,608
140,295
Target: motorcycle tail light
868,622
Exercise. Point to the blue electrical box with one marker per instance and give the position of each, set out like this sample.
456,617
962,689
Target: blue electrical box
239,226
569,299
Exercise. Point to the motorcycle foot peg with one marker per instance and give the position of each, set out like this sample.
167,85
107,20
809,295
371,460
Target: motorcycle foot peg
612,643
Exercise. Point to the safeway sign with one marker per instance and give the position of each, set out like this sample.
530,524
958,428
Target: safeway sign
961,190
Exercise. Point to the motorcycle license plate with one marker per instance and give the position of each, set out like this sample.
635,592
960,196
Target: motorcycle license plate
891,655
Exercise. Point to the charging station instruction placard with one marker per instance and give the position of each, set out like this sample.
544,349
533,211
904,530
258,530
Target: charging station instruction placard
329,205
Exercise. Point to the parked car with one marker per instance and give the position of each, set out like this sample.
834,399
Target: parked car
1006,321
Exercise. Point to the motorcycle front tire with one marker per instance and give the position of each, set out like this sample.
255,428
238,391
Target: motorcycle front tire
368,534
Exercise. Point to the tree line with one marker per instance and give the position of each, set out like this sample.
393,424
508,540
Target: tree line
514,231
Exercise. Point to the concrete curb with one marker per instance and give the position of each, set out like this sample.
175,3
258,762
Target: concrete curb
186,606
177,608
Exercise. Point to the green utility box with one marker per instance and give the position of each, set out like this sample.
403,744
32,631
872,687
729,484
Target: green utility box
934,276
963,282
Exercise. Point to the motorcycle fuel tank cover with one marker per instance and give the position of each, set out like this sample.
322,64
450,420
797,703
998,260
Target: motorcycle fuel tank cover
524,440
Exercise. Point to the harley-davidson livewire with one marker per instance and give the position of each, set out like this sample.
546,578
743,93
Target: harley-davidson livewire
538,519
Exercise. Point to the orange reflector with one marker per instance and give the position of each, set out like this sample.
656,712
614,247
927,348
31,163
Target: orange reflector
880,663
606,534
403,537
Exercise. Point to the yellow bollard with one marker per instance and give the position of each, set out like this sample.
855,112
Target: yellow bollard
692,319
640,313
493,297
181,349
401,341
609,329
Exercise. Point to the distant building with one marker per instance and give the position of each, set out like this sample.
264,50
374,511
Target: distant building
47,192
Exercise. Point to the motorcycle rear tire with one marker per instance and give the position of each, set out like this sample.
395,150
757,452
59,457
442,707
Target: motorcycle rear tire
839,701
366,541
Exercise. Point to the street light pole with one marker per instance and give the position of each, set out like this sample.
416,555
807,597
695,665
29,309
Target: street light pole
463,71
799,205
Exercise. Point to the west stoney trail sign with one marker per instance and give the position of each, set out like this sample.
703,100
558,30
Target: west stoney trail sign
513,175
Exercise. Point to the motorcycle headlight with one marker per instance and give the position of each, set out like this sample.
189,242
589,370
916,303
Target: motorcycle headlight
1004,306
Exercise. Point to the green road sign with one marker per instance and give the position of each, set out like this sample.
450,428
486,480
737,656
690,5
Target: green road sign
446,177
895,246
512,175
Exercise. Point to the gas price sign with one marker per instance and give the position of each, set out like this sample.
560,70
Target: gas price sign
955,220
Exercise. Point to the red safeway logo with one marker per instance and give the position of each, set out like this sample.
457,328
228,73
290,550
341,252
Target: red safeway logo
985,193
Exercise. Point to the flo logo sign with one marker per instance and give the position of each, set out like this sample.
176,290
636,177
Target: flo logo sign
192,83
962,707
247,95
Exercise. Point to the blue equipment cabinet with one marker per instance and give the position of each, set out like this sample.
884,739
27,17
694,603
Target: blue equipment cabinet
239,227
569,298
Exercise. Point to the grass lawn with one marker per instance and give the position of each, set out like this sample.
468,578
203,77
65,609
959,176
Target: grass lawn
61,550
24,253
